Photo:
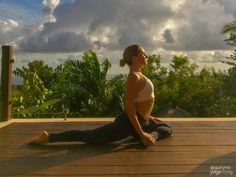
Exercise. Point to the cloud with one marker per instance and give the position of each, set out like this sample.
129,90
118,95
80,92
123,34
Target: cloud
11,32
107,24
8,25
198,26
49,7
59,42
228,7
178,25
6,28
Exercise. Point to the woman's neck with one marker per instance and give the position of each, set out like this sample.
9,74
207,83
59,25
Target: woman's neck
135,69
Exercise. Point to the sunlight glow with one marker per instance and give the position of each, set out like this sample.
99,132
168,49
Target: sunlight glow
175,5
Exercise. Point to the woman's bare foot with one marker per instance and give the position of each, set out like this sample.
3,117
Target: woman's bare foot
42,138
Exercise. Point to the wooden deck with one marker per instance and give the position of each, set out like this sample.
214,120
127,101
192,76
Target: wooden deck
196,149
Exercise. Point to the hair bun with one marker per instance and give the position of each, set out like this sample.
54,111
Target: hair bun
122,62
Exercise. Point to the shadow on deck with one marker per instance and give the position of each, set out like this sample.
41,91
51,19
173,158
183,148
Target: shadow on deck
196,149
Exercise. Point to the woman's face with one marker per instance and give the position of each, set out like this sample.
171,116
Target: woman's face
141,58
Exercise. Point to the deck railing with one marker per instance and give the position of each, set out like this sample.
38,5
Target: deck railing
6,79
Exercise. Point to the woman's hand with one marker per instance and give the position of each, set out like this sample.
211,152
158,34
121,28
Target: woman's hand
147,139
154,119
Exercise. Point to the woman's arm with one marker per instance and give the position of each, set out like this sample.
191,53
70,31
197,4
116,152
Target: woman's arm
154,119
130,95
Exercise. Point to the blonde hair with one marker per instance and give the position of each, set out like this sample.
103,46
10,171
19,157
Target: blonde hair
129,52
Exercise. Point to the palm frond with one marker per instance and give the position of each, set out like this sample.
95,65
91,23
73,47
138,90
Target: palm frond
229,28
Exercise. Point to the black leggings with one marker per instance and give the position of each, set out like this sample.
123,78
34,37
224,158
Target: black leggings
115,131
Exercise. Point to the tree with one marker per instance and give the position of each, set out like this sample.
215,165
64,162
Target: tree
80,85
181,85
36,78
230,28
178,89
84,88
229,80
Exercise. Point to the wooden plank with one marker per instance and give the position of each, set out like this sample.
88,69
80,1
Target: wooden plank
101,119
132,147
119,175
62,169
209,151
175,125
108,159
171,142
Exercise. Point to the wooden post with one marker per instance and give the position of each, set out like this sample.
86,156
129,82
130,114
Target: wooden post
6,77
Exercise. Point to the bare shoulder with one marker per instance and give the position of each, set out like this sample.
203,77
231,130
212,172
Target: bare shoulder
132,85
133,77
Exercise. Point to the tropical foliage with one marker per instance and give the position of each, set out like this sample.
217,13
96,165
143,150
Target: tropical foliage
78,85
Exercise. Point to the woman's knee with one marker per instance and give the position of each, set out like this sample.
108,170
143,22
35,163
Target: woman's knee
164,131
166,124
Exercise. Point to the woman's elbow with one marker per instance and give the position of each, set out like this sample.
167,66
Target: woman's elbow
129,107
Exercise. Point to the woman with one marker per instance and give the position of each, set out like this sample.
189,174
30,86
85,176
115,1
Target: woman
135,121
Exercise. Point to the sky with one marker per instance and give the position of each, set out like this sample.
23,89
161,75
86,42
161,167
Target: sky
57,30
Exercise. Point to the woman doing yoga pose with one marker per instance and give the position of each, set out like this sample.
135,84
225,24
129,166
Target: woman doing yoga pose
136,120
